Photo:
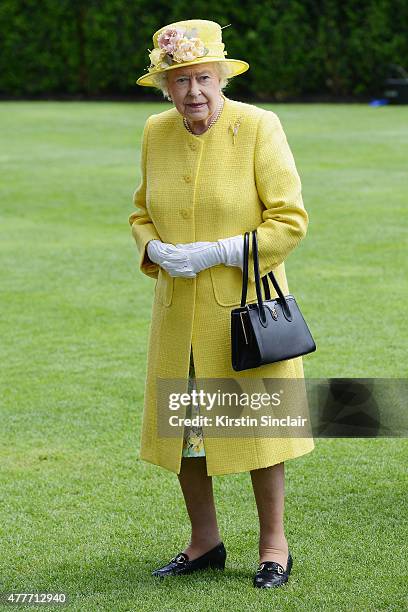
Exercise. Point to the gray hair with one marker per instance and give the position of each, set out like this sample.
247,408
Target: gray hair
160,80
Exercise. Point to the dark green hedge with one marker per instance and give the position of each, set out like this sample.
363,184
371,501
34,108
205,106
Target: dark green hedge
294,47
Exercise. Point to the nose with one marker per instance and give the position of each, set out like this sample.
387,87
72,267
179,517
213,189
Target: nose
194,87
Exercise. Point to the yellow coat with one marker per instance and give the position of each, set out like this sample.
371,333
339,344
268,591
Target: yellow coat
203,188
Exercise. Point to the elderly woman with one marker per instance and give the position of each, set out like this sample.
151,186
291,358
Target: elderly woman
212,169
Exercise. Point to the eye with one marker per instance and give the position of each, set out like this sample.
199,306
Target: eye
205,76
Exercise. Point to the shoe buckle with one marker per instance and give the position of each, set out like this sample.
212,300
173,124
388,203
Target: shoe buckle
179,558
278,567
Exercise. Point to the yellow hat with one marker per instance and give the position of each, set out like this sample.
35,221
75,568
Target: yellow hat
185,43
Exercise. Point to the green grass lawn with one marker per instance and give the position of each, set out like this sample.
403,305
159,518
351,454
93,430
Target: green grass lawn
79,512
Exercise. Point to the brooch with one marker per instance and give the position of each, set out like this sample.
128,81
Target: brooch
234,128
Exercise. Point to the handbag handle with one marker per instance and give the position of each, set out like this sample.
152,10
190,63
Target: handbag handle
284,304
245,270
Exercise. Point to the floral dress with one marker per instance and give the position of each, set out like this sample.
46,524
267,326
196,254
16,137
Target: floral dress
193,444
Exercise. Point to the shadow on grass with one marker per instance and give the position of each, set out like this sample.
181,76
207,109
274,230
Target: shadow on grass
127,572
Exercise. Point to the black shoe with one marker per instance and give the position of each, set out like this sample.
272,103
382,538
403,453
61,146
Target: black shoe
271,574
181,564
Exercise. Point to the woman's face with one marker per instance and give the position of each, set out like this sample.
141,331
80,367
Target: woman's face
195,91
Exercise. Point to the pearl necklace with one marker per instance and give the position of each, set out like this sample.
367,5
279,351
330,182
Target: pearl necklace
220,107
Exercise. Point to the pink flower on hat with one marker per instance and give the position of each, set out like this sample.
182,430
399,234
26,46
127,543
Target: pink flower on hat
168,39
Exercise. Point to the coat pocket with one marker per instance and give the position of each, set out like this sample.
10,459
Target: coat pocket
164,287
227,285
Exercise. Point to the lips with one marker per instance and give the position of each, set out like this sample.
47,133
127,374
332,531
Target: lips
197,105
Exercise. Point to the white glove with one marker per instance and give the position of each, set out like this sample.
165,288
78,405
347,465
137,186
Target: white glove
174,260
157,250
196,256
233,251
190,258
202,255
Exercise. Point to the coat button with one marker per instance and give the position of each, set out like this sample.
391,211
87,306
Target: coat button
193,146
187,178
185,213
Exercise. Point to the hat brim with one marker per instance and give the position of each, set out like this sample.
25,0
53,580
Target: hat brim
236,67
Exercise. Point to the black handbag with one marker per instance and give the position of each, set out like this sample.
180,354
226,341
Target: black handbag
269,330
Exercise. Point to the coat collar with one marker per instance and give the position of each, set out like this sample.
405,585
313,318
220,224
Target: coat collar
226,126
